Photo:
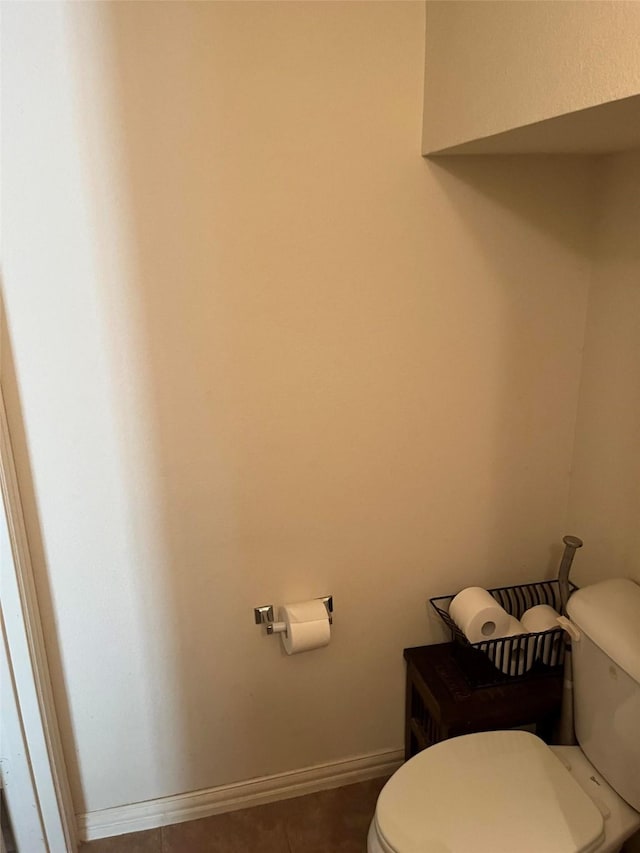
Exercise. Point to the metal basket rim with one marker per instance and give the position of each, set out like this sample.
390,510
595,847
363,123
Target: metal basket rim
485,644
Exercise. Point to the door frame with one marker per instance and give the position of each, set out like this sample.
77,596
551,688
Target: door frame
28,665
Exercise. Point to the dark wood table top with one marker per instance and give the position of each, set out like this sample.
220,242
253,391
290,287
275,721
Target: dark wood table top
437,676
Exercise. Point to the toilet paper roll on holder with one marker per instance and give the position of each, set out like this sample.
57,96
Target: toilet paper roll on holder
265,615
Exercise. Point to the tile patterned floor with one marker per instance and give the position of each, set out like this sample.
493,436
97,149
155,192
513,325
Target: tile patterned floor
334,821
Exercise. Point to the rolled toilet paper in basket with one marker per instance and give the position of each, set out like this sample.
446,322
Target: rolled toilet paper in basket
478,615
307,626
513,657
543,617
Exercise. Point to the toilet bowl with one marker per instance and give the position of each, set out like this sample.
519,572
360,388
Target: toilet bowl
507,791
499,792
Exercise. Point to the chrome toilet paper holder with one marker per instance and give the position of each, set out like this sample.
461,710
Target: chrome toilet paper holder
265,615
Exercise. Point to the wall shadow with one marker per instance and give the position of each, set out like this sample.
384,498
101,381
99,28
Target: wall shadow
605,493
541,317
555,193
19,446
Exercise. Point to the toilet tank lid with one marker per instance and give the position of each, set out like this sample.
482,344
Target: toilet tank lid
609,614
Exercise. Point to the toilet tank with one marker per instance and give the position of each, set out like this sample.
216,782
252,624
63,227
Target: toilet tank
606,675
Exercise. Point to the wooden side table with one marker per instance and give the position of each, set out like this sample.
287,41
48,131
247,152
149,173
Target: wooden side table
440,704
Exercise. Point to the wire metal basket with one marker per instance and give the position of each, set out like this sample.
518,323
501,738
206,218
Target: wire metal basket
509,659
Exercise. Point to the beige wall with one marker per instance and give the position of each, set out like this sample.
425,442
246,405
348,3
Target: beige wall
605,486
264,351
493,66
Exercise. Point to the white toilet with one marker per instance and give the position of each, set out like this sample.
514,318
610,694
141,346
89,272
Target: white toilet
507,791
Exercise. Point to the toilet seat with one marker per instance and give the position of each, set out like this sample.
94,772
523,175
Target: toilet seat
492,792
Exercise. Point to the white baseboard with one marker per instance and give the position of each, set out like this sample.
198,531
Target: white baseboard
239,795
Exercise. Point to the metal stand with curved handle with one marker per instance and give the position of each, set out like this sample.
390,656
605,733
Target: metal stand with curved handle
566,729
571,545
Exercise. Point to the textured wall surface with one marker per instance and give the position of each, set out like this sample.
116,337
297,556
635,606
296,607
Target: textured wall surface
493,66
264,351
605,487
